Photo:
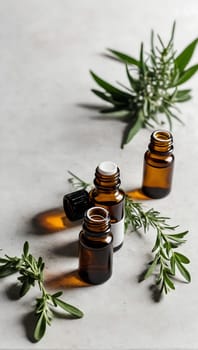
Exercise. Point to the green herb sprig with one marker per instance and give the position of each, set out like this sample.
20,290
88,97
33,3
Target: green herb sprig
166,261
31,271
154,81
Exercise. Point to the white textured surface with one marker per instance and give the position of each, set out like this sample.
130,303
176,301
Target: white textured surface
47,48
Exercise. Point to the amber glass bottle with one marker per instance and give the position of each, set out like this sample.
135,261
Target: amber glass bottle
158,165
96,246
107,194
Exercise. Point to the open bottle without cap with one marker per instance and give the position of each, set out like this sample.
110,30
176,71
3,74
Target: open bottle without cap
158,165
96,246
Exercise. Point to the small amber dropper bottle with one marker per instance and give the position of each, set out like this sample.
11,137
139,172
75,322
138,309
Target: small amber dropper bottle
95,247
158,165
108,195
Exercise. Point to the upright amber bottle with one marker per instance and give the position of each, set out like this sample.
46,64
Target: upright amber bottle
107,194
158,165
96,247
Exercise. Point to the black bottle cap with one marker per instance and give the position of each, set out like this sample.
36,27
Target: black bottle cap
75,204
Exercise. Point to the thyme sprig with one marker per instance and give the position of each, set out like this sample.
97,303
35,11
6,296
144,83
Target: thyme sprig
154,81
166,261
31,271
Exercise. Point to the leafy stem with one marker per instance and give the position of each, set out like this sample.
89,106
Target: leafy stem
166,259
154,85
30,271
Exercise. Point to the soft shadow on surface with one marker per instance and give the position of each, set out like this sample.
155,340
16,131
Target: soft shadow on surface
30,319
69,250
137,194
91,106
156,295
13,291
105,114
51,221
66,281
110,56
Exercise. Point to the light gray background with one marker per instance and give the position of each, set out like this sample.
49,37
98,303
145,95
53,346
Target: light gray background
46,50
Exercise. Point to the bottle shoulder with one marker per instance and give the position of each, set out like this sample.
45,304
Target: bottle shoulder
116,196
95,241
157,157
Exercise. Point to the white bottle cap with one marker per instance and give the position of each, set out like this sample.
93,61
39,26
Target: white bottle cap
107,168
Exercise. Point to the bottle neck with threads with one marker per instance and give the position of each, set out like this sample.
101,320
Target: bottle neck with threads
107,177
161,142
96,222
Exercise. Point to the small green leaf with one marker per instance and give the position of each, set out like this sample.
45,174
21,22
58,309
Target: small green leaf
187,74
178,235
172,264
133,82
172,35
40,262
57,294
6,271
181,93
157,243
182,96
184,58
132,129
124,57
151,268
24,288
182,258
152,45
40,327
26,249
108,87
184,272
142,66
69,308
102,95
3,260
168,281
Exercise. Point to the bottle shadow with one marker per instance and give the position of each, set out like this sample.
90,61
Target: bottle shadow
137,194
51,221
70,250
68,280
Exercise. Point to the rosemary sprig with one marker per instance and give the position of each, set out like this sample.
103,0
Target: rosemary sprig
153,79
166,260
77,182
30,271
